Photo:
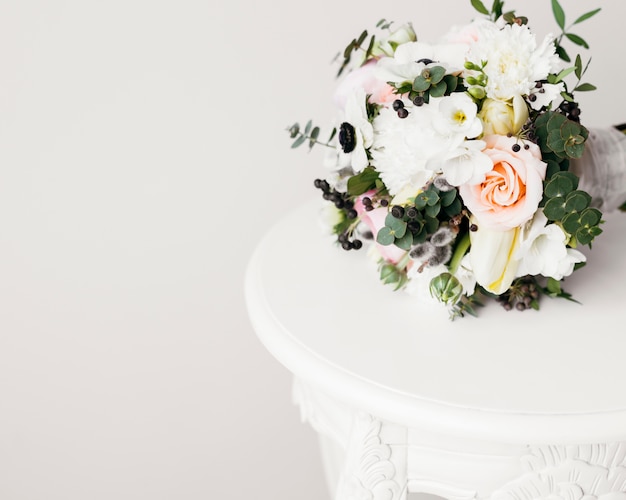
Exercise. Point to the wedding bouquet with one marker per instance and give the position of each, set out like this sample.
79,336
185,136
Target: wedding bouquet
450,160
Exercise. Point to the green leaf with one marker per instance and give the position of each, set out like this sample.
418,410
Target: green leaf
575,147
405,242
448,197
436,74
397,226
586,16
362,182
479,6
421,84
559,186
385,236
578,65
438,89
577,201
559,14
432,210
563,74
555,209
585,87
299,141
577,40
591,217
562,53
313,137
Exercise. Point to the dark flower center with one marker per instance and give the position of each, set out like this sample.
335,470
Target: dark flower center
347,137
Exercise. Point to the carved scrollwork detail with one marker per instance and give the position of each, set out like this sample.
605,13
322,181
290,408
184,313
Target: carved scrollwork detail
370,473
586,472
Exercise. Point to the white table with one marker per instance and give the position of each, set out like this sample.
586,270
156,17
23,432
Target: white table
512,405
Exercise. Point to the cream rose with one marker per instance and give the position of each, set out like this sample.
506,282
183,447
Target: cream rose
503,117
510,194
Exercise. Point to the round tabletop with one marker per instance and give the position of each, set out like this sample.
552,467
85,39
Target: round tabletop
553,376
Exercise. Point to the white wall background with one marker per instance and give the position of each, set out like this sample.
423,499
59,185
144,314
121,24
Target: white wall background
142,156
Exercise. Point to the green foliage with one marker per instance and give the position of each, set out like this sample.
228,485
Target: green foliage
431,82
362,182
559,17
310,135
391,274
560,136
446,288
565,205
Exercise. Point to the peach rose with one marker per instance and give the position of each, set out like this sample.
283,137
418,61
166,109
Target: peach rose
510,194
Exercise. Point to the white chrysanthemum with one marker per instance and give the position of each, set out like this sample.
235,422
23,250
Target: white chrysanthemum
514,60
543,250
362,133
466,163
403,146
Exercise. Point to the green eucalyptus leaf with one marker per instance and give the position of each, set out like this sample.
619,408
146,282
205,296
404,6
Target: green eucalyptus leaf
454,208
436,74
438,89
421,84
577,201
575,147
448,197
555,142
397,226
561,184
299,141
405,242
591,217
554,209
385,236
432,210
431,224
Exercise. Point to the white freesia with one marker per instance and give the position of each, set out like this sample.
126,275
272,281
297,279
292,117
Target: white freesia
492,257
543,250
403,146
514,60
356,117
464,164
457,116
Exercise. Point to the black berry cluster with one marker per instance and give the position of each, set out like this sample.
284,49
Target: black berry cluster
522,295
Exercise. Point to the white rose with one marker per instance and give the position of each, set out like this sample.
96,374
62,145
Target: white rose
503,117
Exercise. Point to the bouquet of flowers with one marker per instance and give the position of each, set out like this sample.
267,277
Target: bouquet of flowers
450,160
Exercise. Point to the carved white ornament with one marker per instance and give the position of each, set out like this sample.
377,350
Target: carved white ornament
586,472
369,473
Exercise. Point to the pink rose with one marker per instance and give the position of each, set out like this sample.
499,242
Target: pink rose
374,220
381,92
510,194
